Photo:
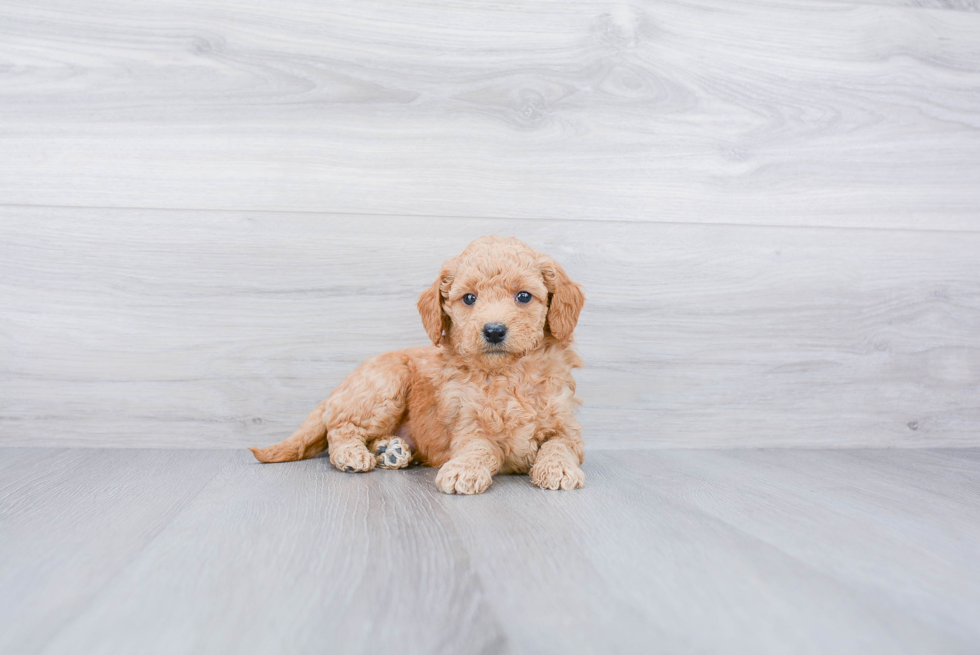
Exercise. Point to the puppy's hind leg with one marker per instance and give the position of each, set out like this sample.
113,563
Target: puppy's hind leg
367,407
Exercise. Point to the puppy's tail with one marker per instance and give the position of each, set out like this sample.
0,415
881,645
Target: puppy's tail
308,440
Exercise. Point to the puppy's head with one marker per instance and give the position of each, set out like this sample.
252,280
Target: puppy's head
499,297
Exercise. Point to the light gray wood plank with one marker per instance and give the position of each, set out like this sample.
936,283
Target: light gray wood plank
928,5
949,474
901,526
673,551
296,559
966,454
223,329
780,113
638,566
21,457
72,520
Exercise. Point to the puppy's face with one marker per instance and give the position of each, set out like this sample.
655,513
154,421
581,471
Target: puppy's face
496,308
499,297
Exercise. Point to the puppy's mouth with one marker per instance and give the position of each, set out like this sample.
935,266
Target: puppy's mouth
496,349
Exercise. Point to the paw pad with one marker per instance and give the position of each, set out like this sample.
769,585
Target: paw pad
392,453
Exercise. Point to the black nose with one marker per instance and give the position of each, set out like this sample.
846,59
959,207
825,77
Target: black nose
494,332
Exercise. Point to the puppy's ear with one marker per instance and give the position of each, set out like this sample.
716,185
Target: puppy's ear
565,300
434,319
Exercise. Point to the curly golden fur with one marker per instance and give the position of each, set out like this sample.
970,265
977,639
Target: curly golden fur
493,394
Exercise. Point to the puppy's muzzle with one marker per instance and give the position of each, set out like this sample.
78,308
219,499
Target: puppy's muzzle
494,332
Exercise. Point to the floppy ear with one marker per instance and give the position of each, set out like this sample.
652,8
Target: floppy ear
565,300
434,319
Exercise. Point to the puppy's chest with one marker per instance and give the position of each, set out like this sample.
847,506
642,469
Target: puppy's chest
508,407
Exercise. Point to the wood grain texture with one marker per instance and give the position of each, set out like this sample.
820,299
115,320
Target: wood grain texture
672,551
880,508
71,521
223,329
780,113
642,549
281,559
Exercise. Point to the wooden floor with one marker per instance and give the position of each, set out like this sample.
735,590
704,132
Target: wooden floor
746,551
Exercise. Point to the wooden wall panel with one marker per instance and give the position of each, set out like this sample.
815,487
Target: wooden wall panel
161,328
777,113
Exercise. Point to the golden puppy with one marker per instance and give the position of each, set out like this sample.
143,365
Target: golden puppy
494,393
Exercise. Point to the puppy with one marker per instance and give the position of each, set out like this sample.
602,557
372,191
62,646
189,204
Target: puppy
493,394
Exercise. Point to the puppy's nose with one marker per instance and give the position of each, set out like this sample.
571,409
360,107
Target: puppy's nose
494,332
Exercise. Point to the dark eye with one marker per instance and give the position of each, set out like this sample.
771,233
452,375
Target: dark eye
524,297
469,299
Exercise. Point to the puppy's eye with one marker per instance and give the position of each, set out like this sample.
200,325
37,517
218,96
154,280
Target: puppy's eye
524,297
469,299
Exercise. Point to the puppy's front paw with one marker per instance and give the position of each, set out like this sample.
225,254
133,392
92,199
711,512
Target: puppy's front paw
556,474
456,477
351,457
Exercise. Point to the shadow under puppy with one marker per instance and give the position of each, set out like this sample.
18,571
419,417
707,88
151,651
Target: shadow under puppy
493,394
